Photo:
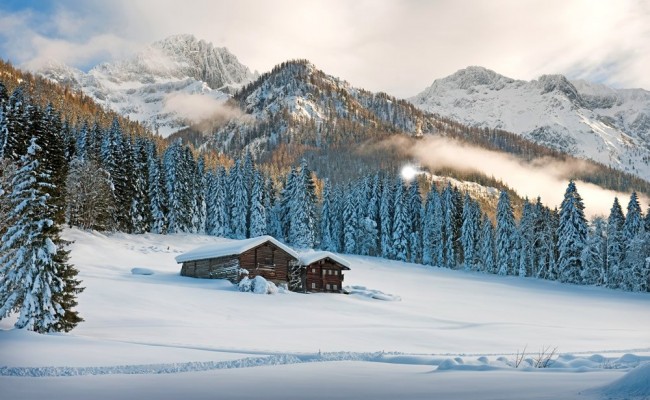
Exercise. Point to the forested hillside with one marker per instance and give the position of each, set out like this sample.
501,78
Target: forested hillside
61,165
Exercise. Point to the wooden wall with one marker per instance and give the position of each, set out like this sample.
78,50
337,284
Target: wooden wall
268,261
213,268
323,273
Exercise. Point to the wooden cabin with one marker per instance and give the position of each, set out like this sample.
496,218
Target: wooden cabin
260,256
309,271
323,271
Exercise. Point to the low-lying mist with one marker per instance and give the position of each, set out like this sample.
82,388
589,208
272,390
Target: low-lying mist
544,177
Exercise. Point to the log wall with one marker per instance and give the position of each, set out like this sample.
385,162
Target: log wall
213,268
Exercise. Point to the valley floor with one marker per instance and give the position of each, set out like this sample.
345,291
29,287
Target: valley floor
446,334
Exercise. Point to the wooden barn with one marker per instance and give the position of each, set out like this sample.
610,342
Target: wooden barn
309,271
263,255
323,271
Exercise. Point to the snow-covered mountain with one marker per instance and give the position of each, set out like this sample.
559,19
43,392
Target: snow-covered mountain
611,126
169,83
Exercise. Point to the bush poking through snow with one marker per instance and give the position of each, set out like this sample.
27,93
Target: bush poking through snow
257,285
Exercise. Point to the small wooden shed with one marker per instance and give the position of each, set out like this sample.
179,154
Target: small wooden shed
323,271
260,256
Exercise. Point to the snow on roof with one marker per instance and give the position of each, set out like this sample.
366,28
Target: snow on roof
231,248
312,256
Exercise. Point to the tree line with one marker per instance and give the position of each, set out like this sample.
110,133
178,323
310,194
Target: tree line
55,173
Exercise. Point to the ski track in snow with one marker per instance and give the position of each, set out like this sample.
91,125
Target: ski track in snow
442,362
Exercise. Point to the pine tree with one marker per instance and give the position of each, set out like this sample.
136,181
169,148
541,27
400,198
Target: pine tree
505,236
35,279
572,236
386,211
157,194
448,224
258,211
470,233
89,196
238,201
486,242
350,221
431,234
633,219
415,218
327,242
526,240
400,223
16,123
594,254
615,246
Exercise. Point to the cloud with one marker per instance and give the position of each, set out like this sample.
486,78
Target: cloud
380,45
201,110
544,177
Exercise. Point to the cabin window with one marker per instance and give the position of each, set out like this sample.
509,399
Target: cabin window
335,287
313,270
329,272
328,286
313,285
336,272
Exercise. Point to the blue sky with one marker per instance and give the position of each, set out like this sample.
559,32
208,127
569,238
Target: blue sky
383,45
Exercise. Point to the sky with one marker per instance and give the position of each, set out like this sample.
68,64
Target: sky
398,47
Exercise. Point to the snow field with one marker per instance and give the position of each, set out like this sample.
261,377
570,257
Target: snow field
465,327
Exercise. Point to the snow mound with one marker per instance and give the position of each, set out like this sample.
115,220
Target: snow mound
141,271
633,385
257,285
362,291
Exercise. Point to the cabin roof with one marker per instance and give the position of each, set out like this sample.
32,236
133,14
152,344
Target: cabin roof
232,247
309,257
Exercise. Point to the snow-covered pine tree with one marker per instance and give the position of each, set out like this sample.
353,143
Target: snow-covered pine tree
470,233
303,210
633,275
572,236
386,211
54,159
633,219
141,218
33,262
18,137
198,197
287,196
350,221
505,236
238,201
594,254
157,194
89,196
400,223
486,246
374,203
615,246
338,203
4,132
326,241
258,211
448,226
414,210
526,240
429,225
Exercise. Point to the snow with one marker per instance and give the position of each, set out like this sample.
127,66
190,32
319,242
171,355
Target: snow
142,87
141,271
311,256
634,384
453,335
587,120
231,248
257,285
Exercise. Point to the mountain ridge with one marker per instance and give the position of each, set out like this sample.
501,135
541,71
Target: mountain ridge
593,121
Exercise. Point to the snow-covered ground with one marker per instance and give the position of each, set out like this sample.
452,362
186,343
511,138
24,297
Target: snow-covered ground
406,331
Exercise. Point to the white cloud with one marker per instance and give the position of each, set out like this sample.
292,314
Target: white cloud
542,177
201,110
397,47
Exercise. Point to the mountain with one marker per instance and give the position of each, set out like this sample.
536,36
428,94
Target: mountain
155,85
593,121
